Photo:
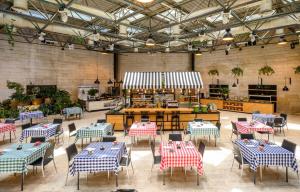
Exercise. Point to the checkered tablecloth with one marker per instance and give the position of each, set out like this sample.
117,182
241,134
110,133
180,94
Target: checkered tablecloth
186,156
263,118
98,130
246,127
72,111
141,129
31,115
272,155
7,127
46,130
16,161
203,129
107,159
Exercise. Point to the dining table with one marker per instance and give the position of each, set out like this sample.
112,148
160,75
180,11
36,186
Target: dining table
8,127
180,154
31,115
245,127
41,130
98,157
17,157
261,153
97,130
204,128
139,129
263,118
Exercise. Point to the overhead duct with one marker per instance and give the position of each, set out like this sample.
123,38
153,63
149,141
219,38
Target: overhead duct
123,28
266,5
20,4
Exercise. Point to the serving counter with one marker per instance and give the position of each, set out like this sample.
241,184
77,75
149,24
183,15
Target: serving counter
185,115
241,106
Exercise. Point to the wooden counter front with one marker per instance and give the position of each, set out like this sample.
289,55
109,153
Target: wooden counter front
217,102
186,115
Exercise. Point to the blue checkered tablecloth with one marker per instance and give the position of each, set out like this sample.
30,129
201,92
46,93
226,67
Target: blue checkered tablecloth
107,159
263,118
46,130
98,130
72,111
31,115
16,161
203,129
272,155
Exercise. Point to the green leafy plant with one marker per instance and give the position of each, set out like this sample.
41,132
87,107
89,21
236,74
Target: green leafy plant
266,70
224,91
19,94
78,39
8,29
92,92
237,72
62,100
213,72
297,70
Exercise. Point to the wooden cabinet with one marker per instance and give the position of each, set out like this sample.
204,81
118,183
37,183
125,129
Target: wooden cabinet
267,108
217,102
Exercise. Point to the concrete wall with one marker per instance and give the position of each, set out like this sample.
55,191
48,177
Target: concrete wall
280,57
46,65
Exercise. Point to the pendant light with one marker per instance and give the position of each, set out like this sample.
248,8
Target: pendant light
97,80
198,53
228,36
282,41
109,82
144,1
285,88
150,41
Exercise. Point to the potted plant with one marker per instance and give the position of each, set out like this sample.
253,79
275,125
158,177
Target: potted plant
237,72
37,100
297,70
9,29
266,70
19,97
92,92
212,73
224,92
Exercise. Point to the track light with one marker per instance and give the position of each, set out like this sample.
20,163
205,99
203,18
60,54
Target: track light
167,49
144,1
136,49
150,42
96,36
225,16
63,12
198,53
42,36
190,46
228,36
282,41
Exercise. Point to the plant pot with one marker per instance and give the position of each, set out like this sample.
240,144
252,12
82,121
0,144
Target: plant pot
14,103
37,101
47,100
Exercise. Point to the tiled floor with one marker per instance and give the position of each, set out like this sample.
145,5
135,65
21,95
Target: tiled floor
217,163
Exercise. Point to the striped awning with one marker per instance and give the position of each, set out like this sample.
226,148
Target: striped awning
183,80
142,80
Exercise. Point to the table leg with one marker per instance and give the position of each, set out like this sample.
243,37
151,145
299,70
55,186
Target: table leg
82,143
10,136
198,179
215,141
286,174
260,172
164,177
22,181
78,180
117,184
254,177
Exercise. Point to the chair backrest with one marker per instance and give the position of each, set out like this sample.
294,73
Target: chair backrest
101,121
218,124
242,119
175,136
284,116
9,121
201,148
25,126
36,139
71,151
152,144
247,136
113,129
288,145
233,126
237,151
159,113
50,150
278,121
198,120
269,123
256,112
57,121
58,128
109,139
72,127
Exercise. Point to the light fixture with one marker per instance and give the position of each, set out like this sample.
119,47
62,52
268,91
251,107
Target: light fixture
96,36
227,36
225,16
167,49
234,85
97,80
110,82
190,46
198,53
63,12
150,42
145,1
285,88
282,40
136,49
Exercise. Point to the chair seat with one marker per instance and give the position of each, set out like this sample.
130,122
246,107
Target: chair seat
124,161
239,160
157,159
58,133
39,161
263,132
73,133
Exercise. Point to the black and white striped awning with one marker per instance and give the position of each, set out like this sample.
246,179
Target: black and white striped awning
154,80
142,80
183,80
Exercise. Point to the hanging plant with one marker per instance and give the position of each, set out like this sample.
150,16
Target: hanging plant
237,72
8,29
266,70
297,70
213,72
78,40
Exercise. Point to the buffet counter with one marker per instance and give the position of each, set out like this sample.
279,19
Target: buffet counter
185,115
241,106
99,105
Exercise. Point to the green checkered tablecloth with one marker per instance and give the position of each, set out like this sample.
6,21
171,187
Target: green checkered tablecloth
97,130
16,161
203,129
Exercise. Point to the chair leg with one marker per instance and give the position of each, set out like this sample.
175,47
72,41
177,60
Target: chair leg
232,164
152,167
242,170
132,167
171,171
54,165
43,171
15,135
127,172
67,176
107,175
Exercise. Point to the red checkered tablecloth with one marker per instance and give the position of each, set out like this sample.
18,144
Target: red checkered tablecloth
140,129
5,127
246,127
186,156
